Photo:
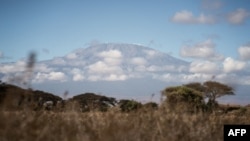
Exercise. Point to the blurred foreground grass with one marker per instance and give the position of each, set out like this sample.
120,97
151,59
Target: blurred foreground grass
155,125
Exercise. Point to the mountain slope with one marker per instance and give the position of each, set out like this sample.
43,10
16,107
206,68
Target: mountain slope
101,62
113,62
127,51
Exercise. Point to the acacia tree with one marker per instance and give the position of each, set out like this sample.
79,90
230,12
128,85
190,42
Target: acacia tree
212,90
196,86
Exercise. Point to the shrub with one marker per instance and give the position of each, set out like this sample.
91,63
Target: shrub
182,98
91,101
129,105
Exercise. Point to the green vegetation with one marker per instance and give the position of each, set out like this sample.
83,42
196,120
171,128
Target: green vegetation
93,102
211,90
129,105
182,98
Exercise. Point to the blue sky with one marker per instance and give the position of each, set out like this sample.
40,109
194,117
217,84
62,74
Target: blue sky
213,35
56,27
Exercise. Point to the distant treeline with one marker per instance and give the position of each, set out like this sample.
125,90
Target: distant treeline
186,98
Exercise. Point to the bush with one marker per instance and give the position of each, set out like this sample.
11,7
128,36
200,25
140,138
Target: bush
91,101
129,105
182,98
150,105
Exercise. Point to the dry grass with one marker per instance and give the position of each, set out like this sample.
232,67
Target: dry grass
158,125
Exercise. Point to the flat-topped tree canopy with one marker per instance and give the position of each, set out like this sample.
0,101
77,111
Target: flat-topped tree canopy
212,89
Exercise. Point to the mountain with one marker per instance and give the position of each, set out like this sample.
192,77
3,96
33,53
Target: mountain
126,51
110,62
114,69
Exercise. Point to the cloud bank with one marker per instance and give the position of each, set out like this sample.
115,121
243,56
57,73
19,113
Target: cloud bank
231,65
114,64
203,50
238,16
244,52
187,17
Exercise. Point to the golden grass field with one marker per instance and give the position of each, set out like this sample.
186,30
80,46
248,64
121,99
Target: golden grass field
142,125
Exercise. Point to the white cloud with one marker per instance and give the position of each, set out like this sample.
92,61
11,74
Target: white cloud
115,77
56,76
154,68
112,61
203,50
206,67
97,67
111,57
108,68
78,77
244,52
182,78
76,71
110,54
102,67
71,56
150,53
39,67
58,61
7,68
187,17
231,65
19,66
238,17
108,77
77,74
232,78
138,61
40,77
186,78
